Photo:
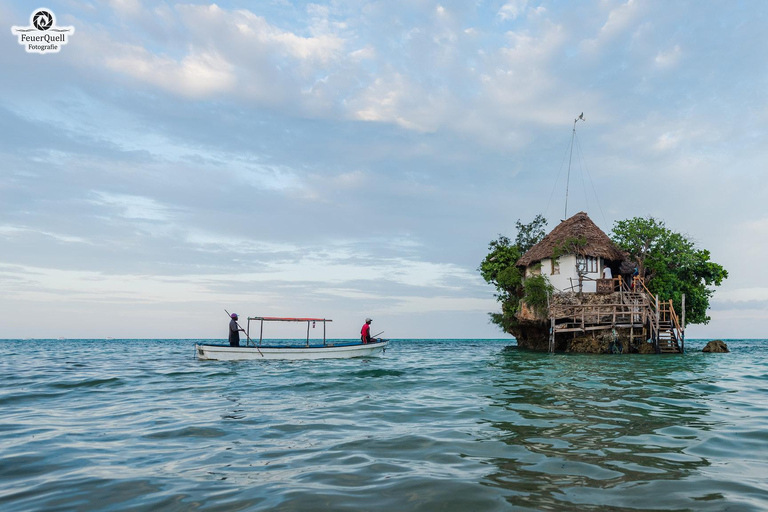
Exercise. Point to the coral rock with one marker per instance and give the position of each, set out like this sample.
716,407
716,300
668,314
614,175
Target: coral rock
716,346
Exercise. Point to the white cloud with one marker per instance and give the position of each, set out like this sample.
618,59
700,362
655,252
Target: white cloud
209,51
669,58
395,99
133,207
214,242
196,75
619,21
416,305
367,53
126,7
10,232
742,295
235,30
667,141
512,9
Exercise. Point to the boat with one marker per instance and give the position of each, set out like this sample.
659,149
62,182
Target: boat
257,350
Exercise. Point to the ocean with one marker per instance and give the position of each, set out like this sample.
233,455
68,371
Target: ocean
435,425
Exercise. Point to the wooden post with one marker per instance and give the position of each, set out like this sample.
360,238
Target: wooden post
682,327
261,332
552,334
307,333
658,305
551,325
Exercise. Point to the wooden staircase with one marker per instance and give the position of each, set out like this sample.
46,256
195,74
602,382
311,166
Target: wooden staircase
667,341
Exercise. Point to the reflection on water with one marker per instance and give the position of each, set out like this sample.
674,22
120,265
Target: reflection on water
601,423
436,425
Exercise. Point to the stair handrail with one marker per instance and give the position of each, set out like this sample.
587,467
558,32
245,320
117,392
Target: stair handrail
675,321
638,279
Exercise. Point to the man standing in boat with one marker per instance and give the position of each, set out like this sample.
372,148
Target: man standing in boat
234,331
365,332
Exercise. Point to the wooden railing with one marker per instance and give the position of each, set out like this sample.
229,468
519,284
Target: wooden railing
668,315
664,312
586,315
638,308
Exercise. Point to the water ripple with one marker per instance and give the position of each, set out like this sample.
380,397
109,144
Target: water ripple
436,425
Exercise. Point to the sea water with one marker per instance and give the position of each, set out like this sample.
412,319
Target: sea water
435,425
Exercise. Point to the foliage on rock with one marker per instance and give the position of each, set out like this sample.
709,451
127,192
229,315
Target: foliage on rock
536,292
498,268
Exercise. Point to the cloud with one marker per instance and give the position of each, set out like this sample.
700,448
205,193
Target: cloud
198,74
126,7
133,207
367,53
416,305
10,232
669,58
218,243
202,53
618,22
512,9
361,156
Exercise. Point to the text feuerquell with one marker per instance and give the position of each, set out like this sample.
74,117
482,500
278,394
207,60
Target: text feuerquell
42,35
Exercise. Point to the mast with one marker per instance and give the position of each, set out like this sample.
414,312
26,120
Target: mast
568,179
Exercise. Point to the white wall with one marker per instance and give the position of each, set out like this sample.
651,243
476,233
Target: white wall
568,276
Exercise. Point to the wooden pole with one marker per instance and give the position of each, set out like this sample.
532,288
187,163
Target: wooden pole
261,332
658,304
307,333
682,327
552,334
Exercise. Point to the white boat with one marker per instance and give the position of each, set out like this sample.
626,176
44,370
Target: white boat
256,350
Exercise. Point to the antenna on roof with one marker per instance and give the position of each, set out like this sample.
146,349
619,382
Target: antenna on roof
568,179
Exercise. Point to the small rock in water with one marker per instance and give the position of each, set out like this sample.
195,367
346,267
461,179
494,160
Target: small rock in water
716,346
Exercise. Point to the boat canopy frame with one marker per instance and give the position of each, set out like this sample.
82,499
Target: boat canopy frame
262,319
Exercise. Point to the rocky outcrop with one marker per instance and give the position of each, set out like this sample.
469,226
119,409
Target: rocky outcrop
589,344
607,343
532,336
646,348
718,346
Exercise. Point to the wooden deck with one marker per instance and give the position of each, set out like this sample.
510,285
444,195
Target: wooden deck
635,308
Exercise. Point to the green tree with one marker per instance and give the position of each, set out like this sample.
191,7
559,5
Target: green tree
671,264
498,268
530,234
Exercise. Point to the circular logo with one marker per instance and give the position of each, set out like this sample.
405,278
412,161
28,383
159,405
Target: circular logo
42,20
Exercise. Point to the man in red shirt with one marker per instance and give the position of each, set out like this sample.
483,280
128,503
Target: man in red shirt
365,332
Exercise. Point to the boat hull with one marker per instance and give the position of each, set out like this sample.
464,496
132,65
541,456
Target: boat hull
227,353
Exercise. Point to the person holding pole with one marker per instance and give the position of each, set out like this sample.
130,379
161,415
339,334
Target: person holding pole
234,331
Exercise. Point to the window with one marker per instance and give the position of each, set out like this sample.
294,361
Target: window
555,266
587,264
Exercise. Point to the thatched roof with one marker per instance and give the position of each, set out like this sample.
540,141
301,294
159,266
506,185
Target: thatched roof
580,225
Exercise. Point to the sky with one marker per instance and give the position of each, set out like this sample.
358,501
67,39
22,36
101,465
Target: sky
352,158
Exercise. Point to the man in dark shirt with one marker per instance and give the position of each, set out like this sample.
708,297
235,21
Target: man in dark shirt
234,331
365,332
